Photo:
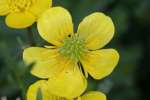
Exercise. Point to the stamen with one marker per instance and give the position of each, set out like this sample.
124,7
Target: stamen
20,5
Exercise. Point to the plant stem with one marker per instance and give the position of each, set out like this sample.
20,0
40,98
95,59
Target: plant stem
30,37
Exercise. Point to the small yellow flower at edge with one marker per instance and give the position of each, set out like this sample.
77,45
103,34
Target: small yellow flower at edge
46,94
74,55
22,13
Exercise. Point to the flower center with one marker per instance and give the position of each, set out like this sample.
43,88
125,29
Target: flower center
73,47
20,5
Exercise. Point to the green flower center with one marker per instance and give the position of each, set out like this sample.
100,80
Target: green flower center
20,5
73,47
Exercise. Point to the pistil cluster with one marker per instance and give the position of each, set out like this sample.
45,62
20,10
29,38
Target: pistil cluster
73,47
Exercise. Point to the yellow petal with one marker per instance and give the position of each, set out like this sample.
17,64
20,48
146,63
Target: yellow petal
70,83
55,24
39,6
4,7
46,95
100,63
94,95
20,20
48,62
97,29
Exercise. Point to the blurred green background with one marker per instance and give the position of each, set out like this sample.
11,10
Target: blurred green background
129,81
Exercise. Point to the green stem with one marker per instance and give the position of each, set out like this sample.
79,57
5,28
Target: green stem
30,37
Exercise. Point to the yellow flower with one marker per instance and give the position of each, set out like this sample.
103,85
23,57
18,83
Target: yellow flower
73,54
22,13
46,94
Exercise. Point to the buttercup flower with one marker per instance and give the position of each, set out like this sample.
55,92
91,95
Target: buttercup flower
22,13
46,94
74,55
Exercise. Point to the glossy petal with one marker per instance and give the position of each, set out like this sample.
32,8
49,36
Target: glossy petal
94,95
34,88
100,63
46,95
97,29
38,7
70,83
55,24
20,20
4,7
48,62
